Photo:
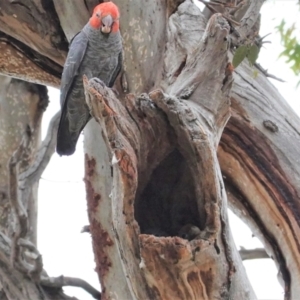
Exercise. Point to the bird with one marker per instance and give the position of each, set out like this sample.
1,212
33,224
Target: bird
96,51
189,232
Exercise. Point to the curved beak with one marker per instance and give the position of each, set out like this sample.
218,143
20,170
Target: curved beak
107,22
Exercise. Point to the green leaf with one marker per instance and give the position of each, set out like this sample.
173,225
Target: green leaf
252,54
292,46
239,55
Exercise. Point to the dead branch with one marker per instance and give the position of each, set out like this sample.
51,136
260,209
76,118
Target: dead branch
43,156
61,281
15,63
210,6
253,253
86,228
40,162
265,72
19,195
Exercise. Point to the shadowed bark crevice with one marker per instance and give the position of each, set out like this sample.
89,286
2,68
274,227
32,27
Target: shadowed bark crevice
266,168
47,65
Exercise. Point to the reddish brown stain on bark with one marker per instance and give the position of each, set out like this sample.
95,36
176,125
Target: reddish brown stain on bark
101,240
125,163
92,197
100,237
90,164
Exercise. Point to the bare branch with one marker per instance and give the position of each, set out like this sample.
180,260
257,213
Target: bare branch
43,156
19,66
19,194
253,253
265,72
86,228
209,5
62,281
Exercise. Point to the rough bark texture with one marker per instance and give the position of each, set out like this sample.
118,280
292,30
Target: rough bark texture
258,154
157,198
31,29
21,108
182,184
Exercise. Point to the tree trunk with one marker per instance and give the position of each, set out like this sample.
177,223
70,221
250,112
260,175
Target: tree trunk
156,189
21,108
258,154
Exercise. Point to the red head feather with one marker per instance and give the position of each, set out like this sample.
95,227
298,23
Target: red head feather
102,10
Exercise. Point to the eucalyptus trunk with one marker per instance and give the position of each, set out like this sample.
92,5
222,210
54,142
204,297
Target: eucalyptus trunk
184,137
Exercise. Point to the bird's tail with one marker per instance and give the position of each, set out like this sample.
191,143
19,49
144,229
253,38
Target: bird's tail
66,140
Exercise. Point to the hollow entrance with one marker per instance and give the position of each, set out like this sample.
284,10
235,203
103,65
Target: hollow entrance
168,202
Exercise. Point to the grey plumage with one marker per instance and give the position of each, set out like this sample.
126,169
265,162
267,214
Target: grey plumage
96,55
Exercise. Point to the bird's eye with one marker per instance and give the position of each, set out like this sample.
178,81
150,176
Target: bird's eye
97,15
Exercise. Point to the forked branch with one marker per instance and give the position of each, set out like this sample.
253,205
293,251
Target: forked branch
61,281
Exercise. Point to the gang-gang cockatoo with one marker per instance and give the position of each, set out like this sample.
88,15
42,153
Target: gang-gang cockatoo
95,51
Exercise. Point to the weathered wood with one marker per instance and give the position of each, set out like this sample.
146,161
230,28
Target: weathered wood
22,105
149,185
172,259
35,24
17,62
31,36
127,134
21,108
258,154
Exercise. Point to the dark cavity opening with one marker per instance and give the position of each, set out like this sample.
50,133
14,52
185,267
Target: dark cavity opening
168,202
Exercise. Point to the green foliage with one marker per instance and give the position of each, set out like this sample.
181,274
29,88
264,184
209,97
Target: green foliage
253,54
291,45
239,55
243,51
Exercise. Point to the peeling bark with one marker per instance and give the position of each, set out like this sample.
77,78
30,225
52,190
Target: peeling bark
262,180
194,145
